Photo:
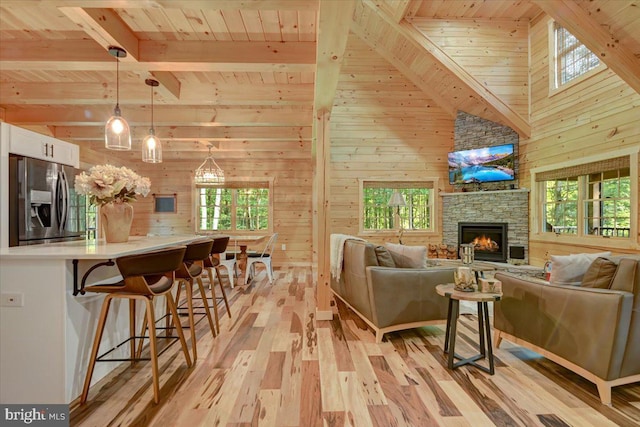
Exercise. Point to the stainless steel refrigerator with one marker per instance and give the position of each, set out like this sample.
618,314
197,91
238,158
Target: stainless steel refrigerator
43,206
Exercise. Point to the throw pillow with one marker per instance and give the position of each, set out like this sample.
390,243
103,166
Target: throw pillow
408,256
569,269
384,257
599,274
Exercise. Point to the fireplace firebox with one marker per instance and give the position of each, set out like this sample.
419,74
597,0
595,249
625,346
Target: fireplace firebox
489,239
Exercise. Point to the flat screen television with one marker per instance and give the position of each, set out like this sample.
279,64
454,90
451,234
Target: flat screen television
487,164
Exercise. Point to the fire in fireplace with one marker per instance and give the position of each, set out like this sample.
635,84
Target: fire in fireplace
488,238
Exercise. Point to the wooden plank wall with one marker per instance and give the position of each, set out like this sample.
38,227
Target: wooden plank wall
597,115
495,52
291,198
382,126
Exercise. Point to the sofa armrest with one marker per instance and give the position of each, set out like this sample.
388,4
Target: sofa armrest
407,295
588,327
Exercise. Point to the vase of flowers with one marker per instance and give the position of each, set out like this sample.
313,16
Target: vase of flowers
112,189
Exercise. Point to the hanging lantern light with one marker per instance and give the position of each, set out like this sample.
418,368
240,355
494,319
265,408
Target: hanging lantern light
209,172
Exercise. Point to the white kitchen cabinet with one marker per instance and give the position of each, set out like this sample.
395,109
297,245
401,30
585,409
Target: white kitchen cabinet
32,144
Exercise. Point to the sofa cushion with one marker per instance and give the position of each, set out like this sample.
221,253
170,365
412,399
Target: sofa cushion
569,269
625,278
384,257
599,274
408,256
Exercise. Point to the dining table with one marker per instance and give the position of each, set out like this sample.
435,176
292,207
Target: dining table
243,242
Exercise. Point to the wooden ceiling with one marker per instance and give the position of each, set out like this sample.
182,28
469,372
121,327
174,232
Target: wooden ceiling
242,73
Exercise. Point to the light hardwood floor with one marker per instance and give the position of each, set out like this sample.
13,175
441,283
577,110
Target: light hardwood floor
275,365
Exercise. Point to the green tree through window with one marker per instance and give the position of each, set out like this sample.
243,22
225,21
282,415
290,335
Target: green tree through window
233,209
416,215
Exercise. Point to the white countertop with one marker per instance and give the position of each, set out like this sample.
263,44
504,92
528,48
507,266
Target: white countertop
96,249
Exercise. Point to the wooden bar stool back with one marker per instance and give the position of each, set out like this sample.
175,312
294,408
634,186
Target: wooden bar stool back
191,272
213,263
145,276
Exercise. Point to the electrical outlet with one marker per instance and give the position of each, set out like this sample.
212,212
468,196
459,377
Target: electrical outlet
12,300
284,247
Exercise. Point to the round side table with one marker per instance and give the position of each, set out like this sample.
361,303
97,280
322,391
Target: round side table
484,329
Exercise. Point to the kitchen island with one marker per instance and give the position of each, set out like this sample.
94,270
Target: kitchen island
46,332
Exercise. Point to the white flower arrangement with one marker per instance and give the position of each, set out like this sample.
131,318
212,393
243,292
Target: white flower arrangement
107,183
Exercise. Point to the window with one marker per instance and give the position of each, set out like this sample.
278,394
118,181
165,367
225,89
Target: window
589,199
572,58
608,204
244,206
561,205
416,215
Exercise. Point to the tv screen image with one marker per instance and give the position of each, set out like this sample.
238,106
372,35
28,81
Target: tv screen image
487,164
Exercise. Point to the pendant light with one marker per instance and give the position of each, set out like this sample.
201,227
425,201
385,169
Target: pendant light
151,145
209,172
116,132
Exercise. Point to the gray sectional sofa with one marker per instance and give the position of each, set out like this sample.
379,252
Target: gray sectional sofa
389,298
594,332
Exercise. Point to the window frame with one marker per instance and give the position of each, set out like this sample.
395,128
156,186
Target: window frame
432,183
538,194
555,86
236,183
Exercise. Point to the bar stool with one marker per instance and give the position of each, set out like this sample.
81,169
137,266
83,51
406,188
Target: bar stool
213,263
189,272
145,276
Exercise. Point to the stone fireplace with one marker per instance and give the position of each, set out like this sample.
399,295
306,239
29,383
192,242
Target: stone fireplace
489,239
510,207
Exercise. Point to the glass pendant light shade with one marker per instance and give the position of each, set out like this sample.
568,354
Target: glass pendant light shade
209,172
117,135
151,145
151,148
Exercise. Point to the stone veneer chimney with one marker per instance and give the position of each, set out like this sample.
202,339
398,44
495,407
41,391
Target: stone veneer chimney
486,202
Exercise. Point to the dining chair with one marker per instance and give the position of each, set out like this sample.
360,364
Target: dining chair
229,260
263,257
145,276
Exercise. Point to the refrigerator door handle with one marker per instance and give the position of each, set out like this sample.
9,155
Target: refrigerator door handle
63,199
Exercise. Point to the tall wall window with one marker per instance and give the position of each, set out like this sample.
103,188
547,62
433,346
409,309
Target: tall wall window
591,199
243,206
572,58
418,214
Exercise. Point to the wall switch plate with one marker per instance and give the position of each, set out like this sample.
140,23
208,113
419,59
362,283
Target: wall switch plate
284,247
12,300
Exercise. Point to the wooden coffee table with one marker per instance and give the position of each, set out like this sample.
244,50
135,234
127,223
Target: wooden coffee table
484,329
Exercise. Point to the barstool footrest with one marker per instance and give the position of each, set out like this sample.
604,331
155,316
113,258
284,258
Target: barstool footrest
136,359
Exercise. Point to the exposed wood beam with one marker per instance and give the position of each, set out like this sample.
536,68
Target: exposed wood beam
416,79
224,51
176,56
163,116
169,84
203,94
282,133
334,20
398,9
596,37
412,35
176,4
106,28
